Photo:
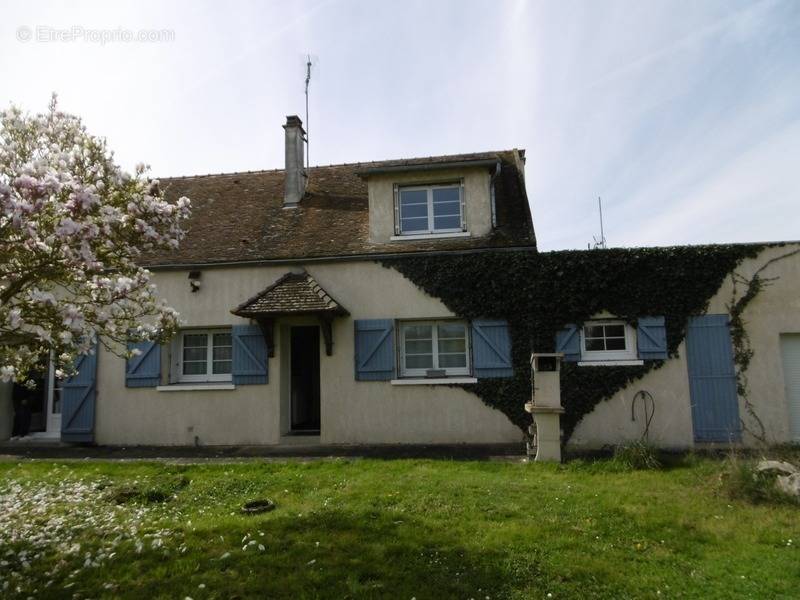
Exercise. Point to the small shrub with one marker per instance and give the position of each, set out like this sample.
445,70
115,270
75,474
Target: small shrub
636,456
742,481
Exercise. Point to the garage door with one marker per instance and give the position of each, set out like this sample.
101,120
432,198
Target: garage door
790,350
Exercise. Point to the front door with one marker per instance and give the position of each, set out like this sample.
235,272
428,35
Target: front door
305,379
712,379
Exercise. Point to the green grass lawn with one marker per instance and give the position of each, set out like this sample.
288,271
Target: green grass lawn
388,529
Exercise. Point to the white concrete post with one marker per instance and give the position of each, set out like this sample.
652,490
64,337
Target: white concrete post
545,406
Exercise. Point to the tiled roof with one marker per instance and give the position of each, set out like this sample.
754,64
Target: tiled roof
294,293
239,217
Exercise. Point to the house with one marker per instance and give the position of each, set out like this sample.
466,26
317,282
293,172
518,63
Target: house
298,331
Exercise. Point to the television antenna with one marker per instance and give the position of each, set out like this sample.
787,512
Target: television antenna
308,80
601,242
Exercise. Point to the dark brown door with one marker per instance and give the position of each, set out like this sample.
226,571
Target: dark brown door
305,379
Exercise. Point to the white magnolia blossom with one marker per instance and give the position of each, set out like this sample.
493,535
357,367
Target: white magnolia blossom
74,228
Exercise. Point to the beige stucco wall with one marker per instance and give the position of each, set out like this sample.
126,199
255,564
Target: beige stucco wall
774,311
351,411
476,199
377,412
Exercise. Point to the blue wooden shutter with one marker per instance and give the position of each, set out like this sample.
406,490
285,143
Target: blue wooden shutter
78,395
491,349
374,349
143,370
568,341
396,192
250,363
712,379
651,338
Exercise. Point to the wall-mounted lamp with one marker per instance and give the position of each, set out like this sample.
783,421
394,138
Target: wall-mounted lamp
194,280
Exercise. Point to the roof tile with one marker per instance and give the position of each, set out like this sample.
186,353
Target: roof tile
294,293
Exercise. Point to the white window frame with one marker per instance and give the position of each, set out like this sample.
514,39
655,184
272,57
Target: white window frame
434,324
208,376
431,230
629,354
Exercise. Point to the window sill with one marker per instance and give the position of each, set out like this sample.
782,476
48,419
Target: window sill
442,381
610,363
195,387
430,236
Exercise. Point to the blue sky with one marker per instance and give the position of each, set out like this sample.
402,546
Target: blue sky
683,115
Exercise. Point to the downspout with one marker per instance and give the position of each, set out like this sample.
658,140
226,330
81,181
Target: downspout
492,195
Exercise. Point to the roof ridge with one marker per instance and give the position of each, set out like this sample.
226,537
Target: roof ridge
345,164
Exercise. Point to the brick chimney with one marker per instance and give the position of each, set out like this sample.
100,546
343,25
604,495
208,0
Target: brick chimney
295,175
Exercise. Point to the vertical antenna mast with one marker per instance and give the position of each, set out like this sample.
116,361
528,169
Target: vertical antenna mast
601,243
308,79
602,233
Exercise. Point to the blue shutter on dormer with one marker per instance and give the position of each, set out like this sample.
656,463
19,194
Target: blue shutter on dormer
374,349
463,200
250,363
396,193
143,370
568,341
491,349
651,338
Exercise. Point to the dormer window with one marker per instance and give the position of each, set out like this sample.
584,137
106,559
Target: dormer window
430,209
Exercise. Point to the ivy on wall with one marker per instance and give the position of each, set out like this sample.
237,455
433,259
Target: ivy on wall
539,293
742,349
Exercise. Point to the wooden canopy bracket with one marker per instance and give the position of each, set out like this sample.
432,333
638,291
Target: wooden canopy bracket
327,333
268,331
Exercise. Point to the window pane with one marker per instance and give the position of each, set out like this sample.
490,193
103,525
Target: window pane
615,330
418,340
445,209
190,354
194,368
593,331
418,332
452,330
419,347
615,344
440,223
411,197
450,361
447,346
414,224
446,195
414,210
222,339
222,367
594,344
222,353
419,361
195,339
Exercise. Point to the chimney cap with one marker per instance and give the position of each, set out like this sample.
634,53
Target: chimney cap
293,121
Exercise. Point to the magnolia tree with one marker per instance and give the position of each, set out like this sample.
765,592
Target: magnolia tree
73,227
